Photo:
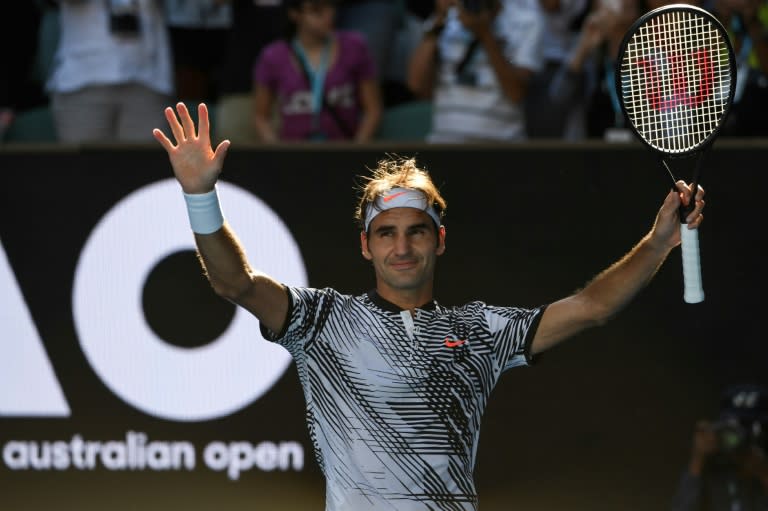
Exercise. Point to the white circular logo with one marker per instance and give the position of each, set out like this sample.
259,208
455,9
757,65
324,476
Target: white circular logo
156,377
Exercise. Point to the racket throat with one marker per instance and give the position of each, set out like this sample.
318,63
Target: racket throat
686,210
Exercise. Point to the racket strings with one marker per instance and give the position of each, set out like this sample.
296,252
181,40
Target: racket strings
675,80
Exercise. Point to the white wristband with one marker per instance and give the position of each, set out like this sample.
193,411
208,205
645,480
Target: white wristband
204,210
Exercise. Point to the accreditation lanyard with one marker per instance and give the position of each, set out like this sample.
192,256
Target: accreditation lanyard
610,85
315,76
743,58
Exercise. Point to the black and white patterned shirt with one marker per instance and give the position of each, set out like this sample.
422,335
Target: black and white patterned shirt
394,400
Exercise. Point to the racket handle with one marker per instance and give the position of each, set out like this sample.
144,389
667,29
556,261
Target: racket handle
689,243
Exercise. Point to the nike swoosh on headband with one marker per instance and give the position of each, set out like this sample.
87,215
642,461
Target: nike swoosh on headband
400,198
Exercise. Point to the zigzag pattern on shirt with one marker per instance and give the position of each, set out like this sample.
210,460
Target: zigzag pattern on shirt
394,415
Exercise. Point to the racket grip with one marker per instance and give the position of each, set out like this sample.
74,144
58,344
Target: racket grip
693,291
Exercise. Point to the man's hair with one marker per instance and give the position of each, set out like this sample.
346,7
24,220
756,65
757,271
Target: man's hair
396,172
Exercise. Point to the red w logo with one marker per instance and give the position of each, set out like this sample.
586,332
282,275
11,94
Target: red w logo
679,70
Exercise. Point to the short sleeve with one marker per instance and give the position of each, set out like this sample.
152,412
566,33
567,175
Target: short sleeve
268,64
512,330
307,311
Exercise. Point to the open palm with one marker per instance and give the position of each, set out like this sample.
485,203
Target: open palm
195,164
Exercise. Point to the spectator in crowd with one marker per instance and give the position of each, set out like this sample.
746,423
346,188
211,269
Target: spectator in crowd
255,24
548,115
322,80
113,70
587,74
199,31
379,21
747,24
475,61
396,383
728,468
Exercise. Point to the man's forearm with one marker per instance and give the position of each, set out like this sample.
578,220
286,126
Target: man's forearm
614,287
224,262
601,298
421,68
513,79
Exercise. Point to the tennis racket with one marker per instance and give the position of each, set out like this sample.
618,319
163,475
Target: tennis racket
675,80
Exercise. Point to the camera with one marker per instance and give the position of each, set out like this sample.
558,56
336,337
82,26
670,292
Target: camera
478,5
124,24
736,434
743,418
124,18
731,435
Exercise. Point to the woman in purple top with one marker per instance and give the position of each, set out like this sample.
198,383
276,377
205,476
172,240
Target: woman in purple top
324,81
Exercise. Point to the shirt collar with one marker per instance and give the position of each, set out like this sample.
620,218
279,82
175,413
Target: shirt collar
386,305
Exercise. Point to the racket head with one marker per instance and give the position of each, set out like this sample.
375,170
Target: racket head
676,78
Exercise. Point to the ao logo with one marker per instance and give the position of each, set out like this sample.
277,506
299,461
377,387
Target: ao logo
155,377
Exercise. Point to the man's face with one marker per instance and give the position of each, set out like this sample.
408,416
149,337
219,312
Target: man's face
403,245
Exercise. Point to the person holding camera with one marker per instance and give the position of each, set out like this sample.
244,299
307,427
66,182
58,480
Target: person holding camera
728,467
475,61
551,115
113,70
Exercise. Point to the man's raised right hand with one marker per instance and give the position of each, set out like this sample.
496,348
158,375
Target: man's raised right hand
195,164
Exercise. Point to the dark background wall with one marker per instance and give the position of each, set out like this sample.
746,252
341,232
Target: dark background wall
602,423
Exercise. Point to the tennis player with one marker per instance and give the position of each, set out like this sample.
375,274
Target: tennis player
396,383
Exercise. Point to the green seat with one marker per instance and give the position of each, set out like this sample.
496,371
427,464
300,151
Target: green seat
410,121
32,126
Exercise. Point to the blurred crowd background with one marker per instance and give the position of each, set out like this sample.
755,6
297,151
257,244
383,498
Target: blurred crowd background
355,71
341,70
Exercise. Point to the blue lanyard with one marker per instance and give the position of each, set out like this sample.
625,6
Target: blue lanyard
742,59
316,75
610,85
746,42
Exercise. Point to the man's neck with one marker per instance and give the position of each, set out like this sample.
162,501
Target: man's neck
405,299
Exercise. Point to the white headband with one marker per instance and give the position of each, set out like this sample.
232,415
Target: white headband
400,198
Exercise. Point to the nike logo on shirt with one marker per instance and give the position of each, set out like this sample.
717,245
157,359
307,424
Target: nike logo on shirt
454,343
